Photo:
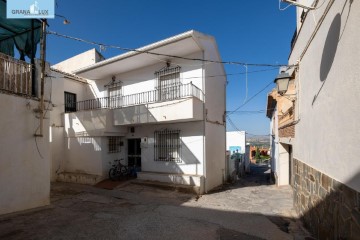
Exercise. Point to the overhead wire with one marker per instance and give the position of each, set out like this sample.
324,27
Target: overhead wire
256,94
166,55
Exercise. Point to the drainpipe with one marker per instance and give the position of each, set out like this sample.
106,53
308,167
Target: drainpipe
42,77
204,121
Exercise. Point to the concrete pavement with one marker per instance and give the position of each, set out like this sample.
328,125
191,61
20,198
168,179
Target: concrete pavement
248,209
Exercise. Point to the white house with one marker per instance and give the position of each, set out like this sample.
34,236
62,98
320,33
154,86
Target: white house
163,114
24,145
323,169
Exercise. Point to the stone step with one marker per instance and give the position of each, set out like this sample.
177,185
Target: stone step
175,178
169,186
82,178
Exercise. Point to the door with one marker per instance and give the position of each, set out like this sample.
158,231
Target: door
290,166
134,152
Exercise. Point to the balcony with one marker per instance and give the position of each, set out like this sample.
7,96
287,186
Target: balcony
15,76
177,103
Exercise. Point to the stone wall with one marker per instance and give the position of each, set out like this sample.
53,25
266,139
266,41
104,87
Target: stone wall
329,209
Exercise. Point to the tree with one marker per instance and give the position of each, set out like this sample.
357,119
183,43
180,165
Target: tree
257,154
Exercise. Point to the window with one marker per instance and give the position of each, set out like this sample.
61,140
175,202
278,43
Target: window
114,144
168,83
70,102
167,146
115,95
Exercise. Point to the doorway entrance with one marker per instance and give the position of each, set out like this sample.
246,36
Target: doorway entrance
134,152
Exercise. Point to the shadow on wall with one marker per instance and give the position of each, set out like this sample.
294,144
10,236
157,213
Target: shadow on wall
329,209
330,48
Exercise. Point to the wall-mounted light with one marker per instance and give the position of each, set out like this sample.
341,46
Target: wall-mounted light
282,82
66,21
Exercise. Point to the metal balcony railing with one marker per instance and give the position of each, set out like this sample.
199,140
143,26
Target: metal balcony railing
159,95
15,76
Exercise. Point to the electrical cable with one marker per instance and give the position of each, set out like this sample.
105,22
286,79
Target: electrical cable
167,55
242,105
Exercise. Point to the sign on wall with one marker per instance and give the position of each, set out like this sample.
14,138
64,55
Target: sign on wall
30,9
234,148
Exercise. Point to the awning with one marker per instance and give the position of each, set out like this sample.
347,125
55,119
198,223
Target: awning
18,32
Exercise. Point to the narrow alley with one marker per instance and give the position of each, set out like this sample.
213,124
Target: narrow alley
251,208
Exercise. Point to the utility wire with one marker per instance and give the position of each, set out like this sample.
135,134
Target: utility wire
167,55
231,112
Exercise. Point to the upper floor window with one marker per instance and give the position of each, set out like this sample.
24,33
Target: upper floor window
70,102
168,82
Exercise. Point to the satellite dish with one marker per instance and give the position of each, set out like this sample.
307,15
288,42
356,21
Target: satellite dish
298,4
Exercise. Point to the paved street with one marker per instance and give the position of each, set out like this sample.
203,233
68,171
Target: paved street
247,209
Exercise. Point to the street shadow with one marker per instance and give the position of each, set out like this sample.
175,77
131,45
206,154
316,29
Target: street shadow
139,213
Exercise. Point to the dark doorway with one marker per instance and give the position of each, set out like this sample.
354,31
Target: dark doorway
290,166
134,152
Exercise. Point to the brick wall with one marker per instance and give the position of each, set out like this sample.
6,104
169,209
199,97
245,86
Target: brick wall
287,131
329,209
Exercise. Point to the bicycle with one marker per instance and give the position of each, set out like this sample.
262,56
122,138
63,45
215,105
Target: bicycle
119,170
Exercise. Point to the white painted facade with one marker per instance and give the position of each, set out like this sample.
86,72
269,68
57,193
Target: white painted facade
25,159
79,61
236,138
198,114
327,83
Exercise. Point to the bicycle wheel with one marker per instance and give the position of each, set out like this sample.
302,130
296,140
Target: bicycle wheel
112,174
124,171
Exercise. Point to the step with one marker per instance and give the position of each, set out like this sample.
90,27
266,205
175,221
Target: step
175,178
82,178
169,186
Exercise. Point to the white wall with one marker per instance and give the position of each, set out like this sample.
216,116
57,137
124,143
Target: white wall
236,138
215,132
24,168
79,61
215,155
191,136
143,79
326,134
182,110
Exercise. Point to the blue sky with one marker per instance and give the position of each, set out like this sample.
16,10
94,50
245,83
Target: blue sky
252,31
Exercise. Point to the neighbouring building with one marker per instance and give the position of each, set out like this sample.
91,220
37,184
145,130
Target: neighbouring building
281,111
315,125
24,154
162,114
235,144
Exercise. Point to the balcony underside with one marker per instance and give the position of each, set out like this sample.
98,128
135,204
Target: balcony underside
180,110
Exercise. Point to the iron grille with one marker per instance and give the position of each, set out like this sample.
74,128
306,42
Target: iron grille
70,102
114,144
168,77
167,146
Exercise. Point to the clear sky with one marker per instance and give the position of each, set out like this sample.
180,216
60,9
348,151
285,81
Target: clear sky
251,31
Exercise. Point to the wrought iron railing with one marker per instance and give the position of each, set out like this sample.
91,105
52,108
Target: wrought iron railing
159,95
15,76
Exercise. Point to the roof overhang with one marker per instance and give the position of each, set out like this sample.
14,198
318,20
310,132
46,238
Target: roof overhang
179,45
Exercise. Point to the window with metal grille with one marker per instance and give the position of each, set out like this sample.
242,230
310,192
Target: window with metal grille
114,144
168,83
70,102
167,146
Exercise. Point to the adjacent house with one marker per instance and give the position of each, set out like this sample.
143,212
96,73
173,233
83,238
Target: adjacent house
281,111
162,114
315,125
